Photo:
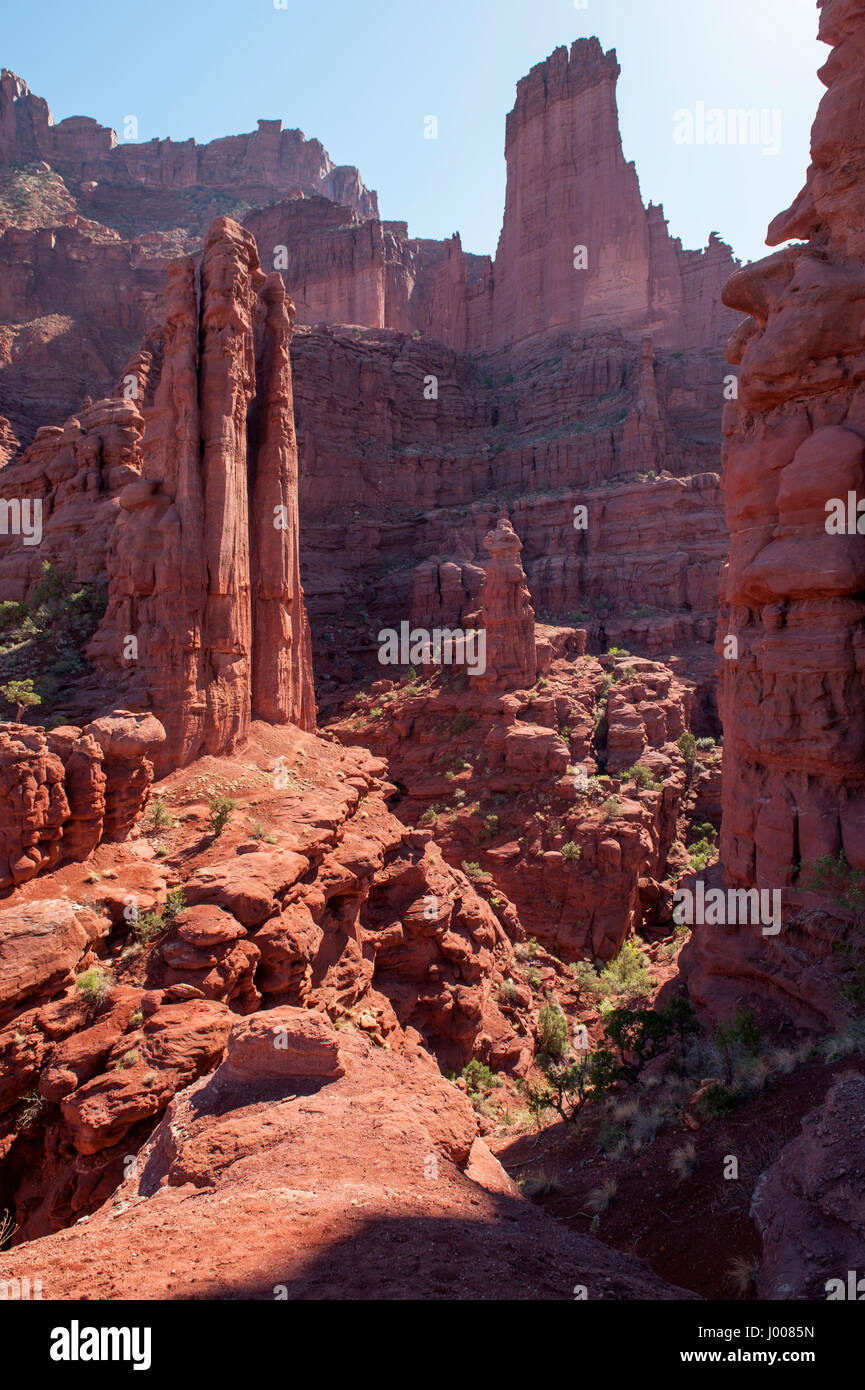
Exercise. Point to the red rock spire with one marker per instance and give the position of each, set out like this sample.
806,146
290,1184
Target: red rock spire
203,565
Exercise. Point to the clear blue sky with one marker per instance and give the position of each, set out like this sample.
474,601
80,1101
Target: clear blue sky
362,77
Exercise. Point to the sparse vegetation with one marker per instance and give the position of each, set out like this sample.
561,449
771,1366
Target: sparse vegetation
160,816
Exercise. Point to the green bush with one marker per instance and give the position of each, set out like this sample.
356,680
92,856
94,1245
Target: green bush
94,985
221,810
552,1030
643,776
688,747
478,1078
160,816
571,851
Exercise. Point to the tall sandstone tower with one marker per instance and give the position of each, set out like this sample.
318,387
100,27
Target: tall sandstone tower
206,623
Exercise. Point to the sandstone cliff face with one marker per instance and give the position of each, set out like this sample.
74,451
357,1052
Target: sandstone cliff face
203,563
791,635
588,396
792,699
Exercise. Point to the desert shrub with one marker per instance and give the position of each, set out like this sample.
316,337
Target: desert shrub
508,992
571,851
704,850
552,1030
526,950
160,816
683,1160
94,985
688,747
600,1199
221,809
175,902
461,722
628,973
643,776
717,1100
478,1077
737,1039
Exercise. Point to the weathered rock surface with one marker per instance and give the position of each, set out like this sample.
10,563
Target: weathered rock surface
41,944
66,791
362,1183
531,792
810,1205
791,634
792,701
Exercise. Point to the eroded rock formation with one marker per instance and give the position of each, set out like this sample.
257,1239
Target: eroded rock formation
349,1214
120,180
791,635
205,622
507,617
792,697
65,792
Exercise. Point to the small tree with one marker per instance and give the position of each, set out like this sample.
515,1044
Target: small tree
688,748
22,695
221,808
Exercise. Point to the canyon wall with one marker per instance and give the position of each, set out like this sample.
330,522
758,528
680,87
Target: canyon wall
131,179
791,631
792,698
